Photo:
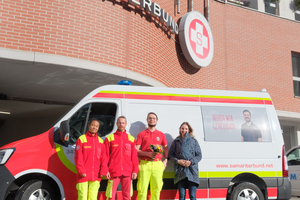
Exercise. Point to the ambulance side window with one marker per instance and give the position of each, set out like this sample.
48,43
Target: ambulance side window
77,123
294,157
105,113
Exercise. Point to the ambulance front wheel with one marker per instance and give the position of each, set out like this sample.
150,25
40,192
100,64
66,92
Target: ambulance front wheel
35,190
246,191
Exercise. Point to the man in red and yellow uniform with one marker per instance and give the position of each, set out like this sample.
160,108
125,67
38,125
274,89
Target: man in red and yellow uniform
90,162
123,161
151,167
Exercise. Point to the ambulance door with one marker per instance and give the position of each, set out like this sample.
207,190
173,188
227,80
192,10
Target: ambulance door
64,167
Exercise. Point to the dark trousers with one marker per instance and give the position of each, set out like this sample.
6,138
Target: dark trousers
185,184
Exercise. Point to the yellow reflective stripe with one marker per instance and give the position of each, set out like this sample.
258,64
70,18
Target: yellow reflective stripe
162,94
111,137
109,189
279,173
202,174
130,138
83,139
64,159
229,174
147,93
131,189
232,97
172,175
182,95
100,140
233,174
111,92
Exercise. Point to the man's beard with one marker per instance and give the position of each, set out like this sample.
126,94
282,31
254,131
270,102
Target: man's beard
151,125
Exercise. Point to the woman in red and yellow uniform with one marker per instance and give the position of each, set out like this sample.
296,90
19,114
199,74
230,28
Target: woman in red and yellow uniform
90,162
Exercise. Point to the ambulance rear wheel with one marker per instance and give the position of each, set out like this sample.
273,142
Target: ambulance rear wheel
36,190
246,191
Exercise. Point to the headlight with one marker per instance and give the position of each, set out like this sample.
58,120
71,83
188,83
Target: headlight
5,155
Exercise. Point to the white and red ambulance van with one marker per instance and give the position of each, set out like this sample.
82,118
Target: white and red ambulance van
42,167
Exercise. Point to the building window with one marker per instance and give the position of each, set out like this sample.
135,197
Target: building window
272,7
289,137
297,16
297,9
246,3
251,4
296,73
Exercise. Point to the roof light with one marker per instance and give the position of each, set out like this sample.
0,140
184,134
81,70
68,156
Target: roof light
125,82
263,90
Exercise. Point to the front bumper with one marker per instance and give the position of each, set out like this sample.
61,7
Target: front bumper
6,178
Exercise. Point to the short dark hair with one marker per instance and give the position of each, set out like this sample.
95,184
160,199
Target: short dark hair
94,119
247,111
152,113
122,117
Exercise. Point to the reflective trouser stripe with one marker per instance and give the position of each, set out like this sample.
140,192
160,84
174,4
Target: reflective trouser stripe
150,171
112,186
88,189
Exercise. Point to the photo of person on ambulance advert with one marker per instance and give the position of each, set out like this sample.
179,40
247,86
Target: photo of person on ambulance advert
235,124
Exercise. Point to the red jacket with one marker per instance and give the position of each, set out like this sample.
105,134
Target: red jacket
90,158
122,154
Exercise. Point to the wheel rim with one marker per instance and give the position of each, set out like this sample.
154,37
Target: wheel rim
247,194
40,194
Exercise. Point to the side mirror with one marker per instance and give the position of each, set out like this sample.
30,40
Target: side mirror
64,131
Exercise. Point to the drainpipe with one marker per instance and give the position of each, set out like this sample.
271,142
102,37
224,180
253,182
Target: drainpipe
191,5
207,11
178,6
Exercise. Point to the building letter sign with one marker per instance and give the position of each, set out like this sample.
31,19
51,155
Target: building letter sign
156,11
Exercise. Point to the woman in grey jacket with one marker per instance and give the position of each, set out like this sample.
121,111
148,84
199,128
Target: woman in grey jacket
186,154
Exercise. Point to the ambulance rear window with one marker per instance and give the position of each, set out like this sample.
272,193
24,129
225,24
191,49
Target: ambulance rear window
235,124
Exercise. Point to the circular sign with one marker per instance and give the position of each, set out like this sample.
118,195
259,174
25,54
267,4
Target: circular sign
196,39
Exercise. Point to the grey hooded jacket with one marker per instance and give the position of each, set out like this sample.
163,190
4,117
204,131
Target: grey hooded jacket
188,149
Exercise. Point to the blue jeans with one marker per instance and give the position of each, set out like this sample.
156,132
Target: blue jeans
185,184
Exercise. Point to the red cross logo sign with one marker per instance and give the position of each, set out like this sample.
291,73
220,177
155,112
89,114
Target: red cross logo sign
196,39
199,39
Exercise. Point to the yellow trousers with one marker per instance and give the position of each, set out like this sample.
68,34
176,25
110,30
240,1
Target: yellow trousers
150,171
88,190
